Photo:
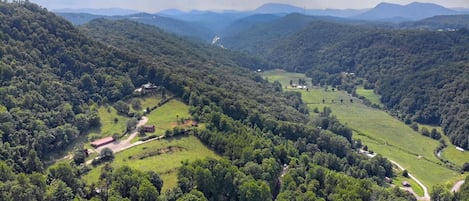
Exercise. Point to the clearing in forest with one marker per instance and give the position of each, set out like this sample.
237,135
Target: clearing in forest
377,129
161,156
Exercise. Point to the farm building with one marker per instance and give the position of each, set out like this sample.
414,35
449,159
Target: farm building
102,141
460,149
149,129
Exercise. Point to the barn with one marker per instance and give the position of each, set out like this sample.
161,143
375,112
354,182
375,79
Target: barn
102,141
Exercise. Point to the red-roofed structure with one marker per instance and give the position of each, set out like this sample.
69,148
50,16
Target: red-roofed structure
102,141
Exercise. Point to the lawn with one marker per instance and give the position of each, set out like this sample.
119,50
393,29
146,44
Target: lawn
165,164
109,125
167,116
279,75
380,132
450,153
145,102
397,181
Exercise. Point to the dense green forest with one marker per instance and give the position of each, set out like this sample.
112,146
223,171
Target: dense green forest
53,76
421,75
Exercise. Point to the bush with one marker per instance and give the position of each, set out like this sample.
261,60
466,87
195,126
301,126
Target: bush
414,126
425,132
465,167
435,134
106,154
405,173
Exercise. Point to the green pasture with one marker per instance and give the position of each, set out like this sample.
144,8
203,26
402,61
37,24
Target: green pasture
148,101
165,164
397,181
450,153
109,126
370,95
167,116
280,76
381,132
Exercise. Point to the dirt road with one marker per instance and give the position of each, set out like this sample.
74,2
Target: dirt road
457,186
426,195
124,144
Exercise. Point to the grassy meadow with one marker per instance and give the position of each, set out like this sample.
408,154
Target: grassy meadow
378,130
165,164
145,102
167,116
370,95
109,126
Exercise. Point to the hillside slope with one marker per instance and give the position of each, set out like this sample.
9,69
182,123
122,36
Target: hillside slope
421,75
252,103
54,78
179,27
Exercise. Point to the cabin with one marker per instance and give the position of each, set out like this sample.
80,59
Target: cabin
102,141
148,128
405,184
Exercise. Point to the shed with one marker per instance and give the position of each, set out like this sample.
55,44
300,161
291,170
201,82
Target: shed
102,141
148,128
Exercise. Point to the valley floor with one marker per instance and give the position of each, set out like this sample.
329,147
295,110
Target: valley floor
378,130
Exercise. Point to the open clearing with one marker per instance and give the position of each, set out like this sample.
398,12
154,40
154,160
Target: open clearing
377,129
162,156
369,95
109,126
167,116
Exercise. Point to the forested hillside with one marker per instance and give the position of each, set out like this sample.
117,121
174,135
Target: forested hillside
236,126
421,75
53,78
442,22
179,27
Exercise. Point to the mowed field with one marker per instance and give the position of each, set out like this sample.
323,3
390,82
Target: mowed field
167,116
109,126
380,131
369,95
162,156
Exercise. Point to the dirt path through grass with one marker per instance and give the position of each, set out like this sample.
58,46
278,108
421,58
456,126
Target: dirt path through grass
457,186
426,196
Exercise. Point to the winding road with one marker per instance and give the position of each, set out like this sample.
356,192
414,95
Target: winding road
457,186
426,195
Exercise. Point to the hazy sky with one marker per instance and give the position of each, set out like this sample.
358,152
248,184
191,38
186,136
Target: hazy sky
158,5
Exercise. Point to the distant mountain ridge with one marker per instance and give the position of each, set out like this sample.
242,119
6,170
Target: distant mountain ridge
278,8
205,25
410,12
171,25
98,11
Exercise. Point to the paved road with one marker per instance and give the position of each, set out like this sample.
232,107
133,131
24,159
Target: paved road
457,186
426,196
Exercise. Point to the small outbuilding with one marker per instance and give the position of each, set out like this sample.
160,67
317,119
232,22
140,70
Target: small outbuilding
149,128
102,141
